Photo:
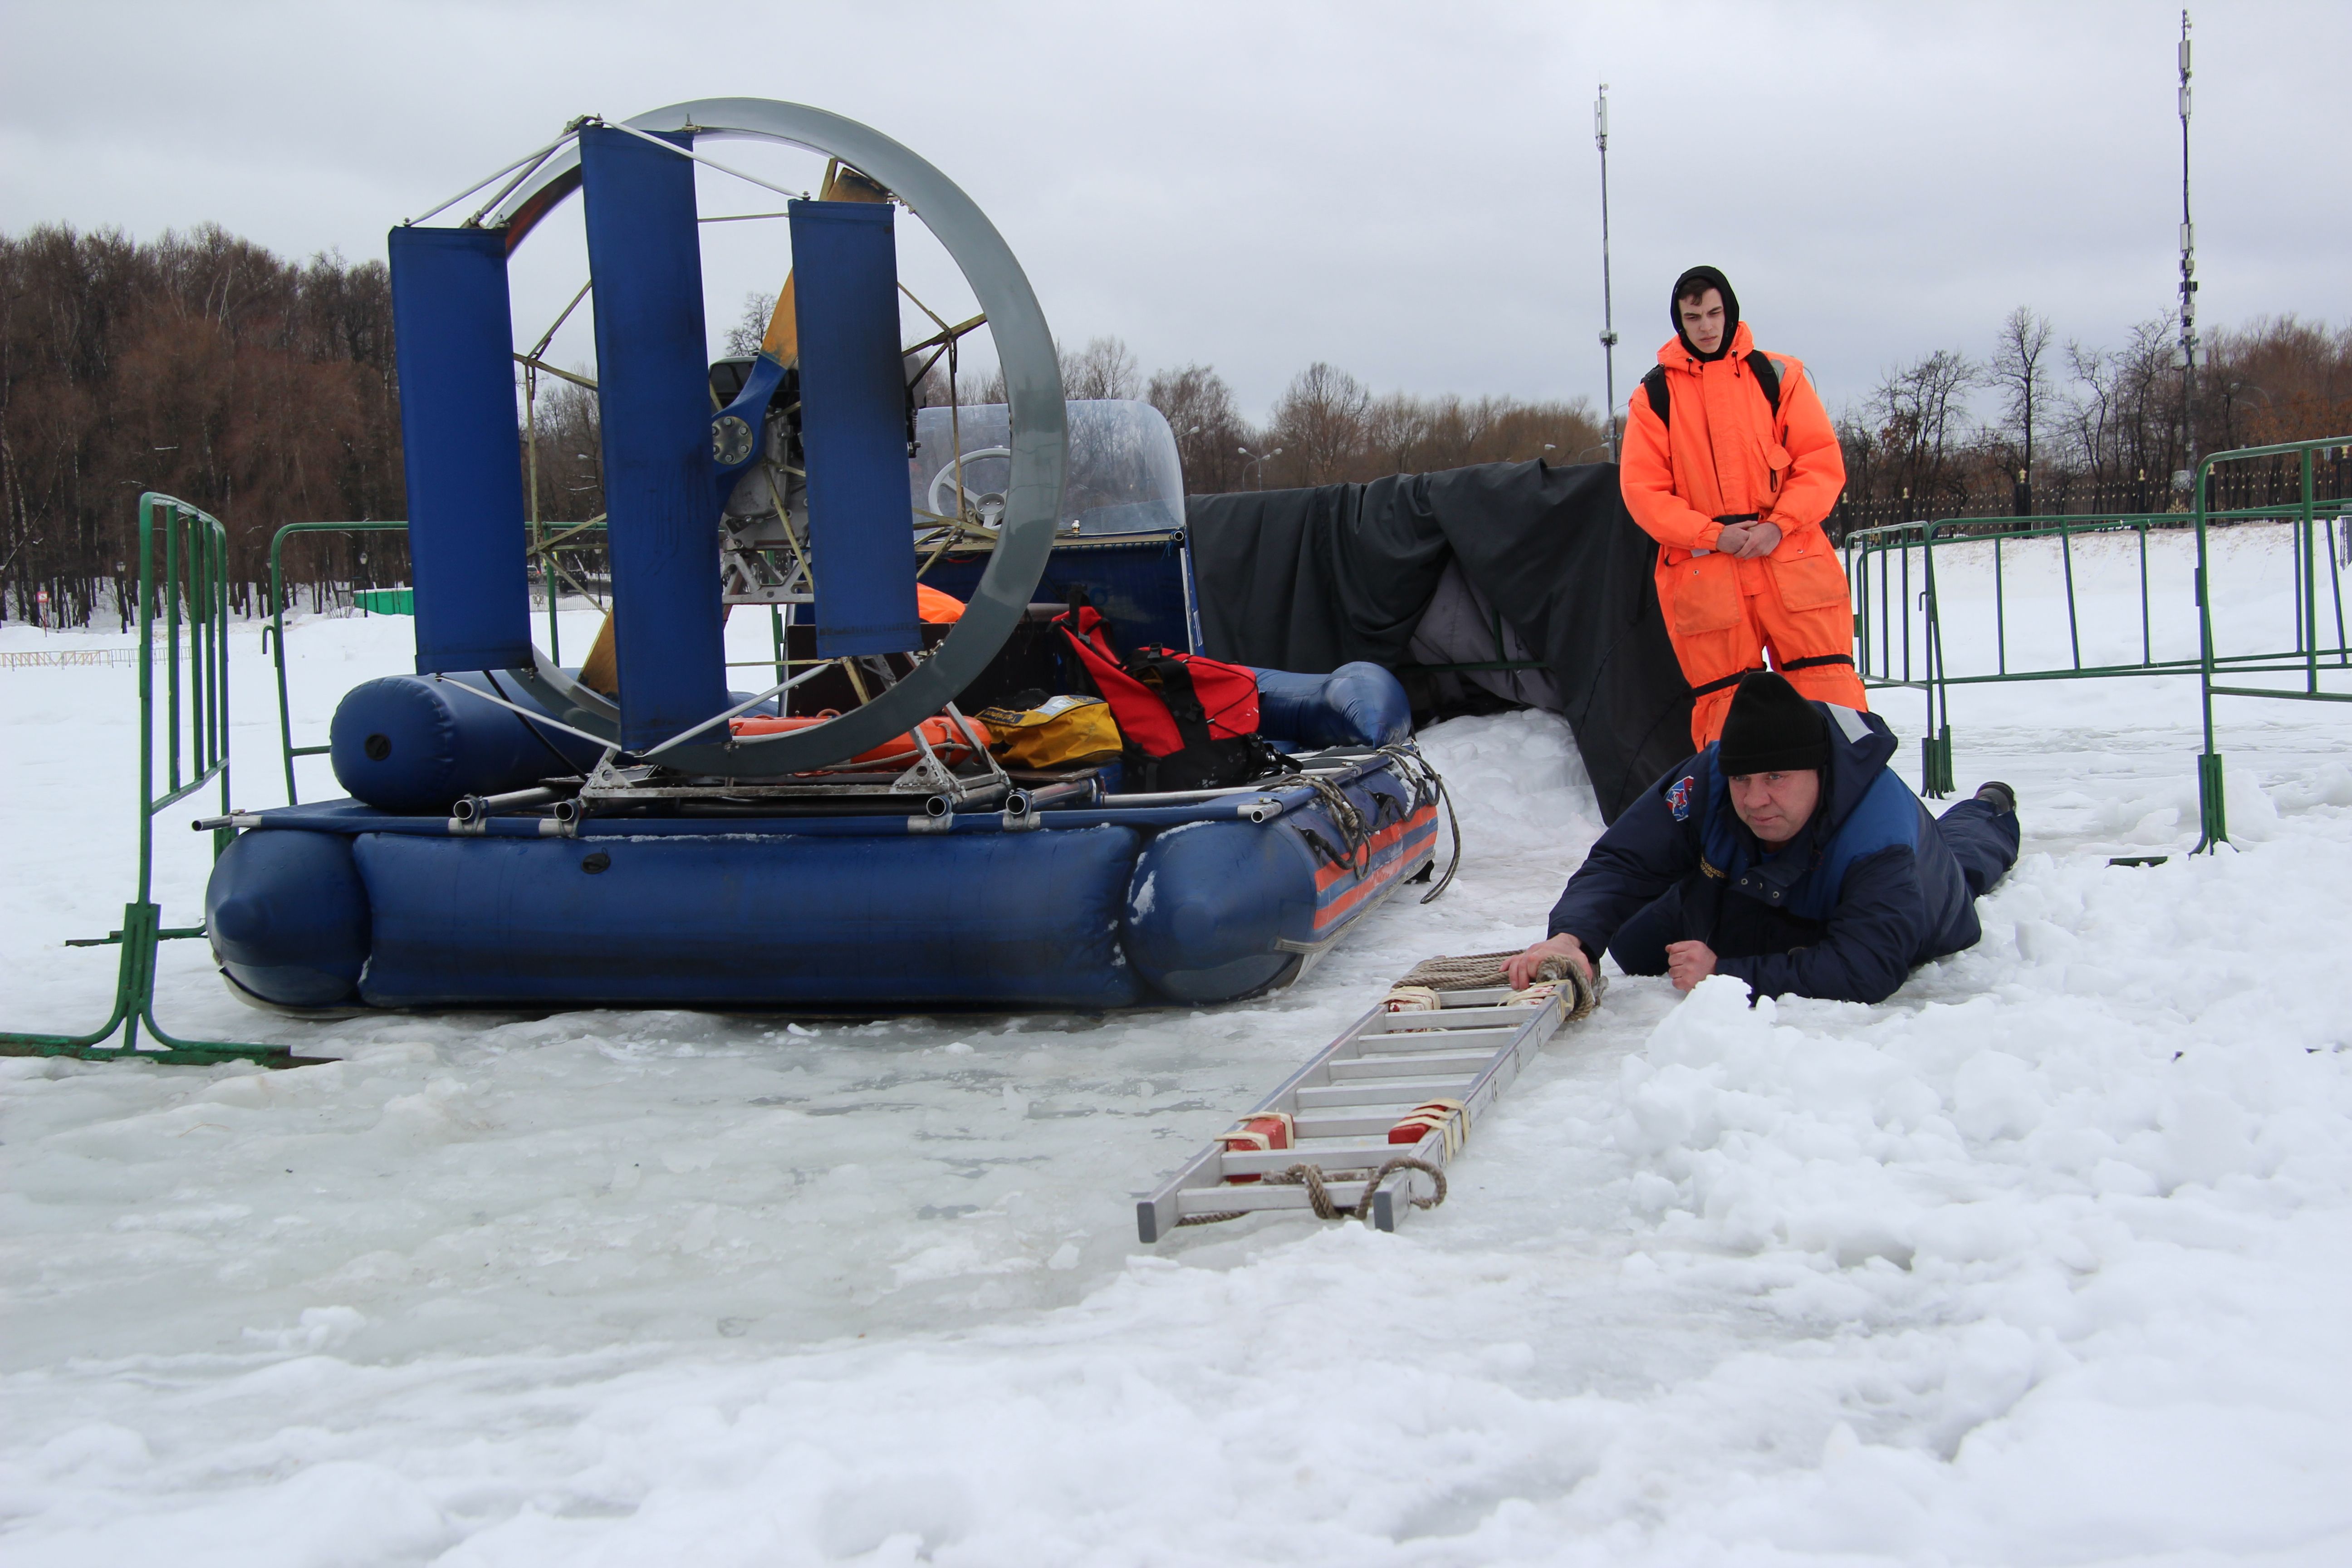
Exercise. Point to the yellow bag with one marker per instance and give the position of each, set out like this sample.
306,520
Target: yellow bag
1062,732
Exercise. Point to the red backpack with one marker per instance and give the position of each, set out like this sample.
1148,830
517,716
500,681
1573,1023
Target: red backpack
1188,722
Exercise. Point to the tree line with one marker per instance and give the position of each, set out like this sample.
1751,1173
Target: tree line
264,390
1327,427
2078,428
200,365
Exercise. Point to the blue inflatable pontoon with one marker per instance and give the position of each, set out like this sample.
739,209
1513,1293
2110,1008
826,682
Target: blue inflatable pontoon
521,835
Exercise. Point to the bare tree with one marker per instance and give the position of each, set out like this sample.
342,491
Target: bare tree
1919,416
1320,424
2020,372
570,436
1209,431
1104,368
744,338
2089,413
1400,431
982,387
2124,423
2275,379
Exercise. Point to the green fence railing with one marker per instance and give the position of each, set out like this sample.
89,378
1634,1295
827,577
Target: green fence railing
183,735
384,601
2316,537
274,637
1901,576
542,550
1900,613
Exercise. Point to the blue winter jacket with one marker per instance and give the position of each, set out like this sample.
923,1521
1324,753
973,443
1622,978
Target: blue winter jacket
1865,891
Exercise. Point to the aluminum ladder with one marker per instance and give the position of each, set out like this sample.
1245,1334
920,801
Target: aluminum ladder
1344,1101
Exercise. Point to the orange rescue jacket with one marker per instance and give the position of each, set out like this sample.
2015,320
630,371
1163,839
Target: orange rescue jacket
1725,451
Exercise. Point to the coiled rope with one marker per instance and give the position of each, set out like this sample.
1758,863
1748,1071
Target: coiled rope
1317,1181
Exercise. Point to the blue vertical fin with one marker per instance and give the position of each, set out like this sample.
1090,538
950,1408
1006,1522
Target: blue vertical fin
854,426
652,371
453,331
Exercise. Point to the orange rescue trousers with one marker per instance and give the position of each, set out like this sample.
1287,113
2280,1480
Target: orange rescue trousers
1724,613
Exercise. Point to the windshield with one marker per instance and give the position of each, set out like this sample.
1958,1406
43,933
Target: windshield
1123,474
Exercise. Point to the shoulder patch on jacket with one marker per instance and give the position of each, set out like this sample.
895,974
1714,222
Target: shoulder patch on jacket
1678,795
1848,720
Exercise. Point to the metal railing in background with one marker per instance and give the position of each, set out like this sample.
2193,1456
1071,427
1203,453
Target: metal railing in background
2314,538
45,658
184,732
1901,610
1899,613
273,638
540,552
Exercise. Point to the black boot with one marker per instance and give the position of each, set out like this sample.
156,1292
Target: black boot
2003,798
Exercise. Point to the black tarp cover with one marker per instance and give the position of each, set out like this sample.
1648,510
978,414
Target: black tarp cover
1309,579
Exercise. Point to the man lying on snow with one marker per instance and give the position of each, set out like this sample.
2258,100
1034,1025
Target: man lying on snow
1785,855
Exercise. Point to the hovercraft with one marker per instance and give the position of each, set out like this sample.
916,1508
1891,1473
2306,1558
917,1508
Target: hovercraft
1041,798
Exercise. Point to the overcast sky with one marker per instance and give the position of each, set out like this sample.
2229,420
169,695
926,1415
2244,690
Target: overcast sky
1408,191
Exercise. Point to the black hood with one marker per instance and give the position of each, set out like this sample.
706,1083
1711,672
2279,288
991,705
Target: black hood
1704,277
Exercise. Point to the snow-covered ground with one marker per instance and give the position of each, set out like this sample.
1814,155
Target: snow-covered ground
2042,1261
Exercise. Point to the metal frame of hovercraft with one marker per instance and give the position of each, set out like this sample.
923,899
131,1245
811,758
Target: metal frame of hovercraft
1018,545
775,769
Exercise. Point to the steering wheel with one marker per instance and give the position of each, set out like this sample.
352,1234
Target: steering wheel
986,506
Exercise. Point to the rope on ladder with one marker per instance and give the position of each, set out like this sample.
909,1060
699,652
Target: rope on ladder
1318,1193
1480,970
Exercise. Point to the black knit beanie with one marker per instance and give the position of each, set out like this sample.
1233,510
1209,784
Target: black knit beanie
1704,277
1772,730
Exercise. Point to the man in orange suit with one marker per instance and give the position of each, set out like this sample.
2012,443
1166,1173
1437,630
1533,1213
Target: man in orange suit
1731,464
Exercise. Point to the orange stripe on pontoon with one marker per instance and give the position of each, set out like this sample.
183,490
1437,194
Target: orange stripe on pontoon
1326,875
1341,903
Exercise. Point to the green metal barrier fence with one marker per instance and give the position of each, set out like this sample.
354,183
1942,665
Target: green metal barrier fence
1899,613
541,549
1898,574
183,585
274,639
2309,655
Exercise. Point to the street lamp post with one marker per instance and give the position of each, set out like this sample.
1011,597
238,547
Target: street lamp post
1257,461
2188,274
1608,313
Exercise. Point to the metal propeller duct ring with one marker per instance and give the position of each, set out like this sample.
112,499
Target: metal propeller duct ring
1033,379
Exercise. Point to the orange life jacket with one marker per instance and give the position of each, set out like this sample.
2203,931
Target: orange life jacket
946,739
938,609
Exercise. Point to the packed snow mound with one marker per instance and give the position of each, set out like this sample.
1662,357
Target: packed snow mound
2040,1261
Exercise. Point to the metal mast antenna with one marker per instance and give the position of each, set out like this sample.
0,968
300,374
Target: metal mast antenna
1608,314
2187,276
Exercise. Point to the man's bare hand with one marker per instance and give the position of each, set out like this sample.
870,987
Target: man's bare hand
1520,972
1687,963
1749,541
